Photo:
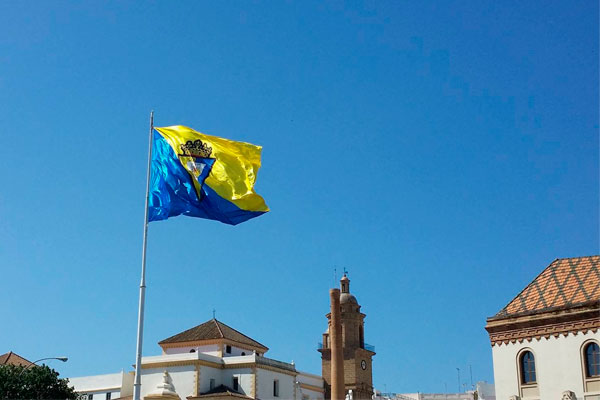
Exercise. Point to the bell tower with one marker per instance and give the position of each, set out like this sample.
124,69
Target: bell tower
357,355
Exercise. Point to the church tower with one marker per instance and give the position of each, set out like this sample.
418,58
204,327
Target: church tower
358,375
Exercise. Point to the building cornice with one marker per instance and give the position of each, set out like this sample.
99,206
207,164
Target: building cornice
100,389
250,365
206,342
275,369
312,387
180,363
543,325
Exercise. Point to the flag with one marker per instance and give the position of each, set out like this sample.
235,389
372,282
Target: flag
203,176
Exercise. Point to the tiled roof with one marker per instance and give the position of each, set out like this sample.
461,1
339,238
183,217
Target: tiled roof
210,330
11,358
567,282
220,391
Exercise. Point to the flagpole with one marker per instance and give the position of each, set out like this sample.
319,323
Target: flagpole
140,328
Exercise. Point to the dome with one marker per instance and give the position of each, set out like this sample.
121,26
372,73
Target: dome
347,298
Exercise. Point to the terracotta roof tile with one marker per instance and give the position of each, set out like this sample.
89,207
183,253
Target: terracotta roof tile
11,358
566,282
211,330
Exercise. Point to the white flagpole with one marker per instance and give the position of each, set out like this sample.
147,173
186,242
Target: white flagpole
140,328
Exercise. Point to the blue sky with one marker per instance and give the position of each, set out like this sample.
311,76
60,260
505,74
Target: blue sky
444,152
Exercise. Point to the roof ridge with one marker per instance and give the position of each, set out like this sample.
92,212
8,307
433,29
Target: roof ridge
246,336
574,258
219,328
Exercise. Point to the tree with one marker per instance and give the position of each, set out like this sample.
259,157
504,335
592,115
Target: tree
36,382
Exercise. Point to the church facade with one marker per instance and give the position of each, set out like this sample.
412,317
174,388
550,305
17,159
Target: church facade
545,342
214,361
207,362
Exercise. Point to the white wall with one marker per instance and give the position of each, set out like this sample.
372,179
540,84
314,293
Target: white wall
313,380
236,351
97,382
208,373
486,390
99,385
558,366
101,395
211,349
313,395
245,379
264,383
183,379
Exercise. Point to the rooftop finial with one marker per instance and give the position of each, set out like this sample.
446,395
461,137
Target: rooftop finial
214,313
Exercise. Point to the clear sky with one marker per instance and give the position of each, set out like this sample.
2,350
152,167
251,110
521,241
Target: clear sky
444,152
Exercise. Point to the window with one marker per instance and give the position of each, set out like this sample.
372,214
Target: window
361,336
108,396
212,383
235,383
228,349
592,360
276,388
527,365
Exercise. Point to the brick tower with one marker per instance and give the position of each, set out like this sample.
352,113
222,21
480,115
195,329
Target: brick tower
358,375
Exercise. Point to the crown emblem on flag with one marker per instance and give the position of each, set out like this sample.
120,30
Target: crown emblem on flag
196,149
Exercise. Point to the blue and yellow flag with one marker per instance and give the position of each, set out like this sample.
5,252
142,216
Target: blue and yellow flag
203,176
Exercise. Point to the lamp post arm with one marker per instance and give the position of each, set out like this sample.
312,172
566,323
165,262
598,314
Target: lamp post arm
63,359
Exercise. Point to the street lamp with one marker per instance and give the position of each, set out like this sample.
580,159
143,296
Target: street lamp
458,372
63,359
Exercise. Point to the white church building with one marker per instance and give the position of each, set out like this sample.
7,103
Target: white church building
209,361
545,342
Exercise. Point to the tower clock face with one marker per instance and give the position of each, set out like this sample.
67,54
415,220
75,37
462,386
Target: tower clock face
363,364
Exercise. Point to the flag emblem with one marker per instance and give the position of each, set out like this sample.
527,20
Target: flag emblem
203,176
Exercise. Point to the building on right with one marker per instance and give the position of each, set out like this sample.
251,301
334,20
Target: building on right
545,342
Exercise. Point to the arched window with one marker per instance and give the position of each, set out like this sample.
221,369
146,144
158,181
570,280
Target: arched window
592,360
527,365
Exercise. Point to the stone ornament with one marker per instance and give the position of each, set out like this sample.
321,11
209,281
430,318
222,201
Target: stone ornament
164,391
568,395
